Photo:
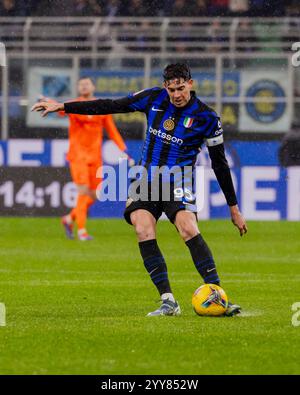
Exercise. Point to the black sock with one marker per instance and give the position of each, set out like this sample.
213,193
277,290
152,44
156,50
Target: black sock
155,264
203,259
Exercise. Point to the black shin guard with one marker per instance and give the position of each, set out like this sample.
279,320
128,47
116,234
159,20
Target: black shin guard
203,259
155,264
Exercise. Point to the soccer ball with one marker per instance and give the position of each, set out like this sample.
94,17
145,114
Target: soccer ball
210,299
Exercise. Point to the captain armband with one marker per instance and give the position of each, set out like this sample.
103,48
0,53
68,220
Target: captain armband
211,142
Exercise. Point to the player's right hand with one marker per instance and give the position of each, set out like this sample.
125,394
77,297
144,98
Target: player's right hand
45,107
238,220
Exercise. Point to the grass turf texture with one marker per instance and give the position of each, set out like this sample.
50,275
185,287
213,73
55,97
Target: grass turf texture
79,308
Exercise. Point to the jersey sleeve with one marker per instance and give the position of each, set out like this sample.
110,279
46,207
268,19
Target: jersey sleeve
222,171
214,132
113,132
215,143
131,103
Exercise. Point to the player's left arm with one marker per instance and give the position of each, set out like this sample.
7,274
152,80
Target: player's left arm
215,145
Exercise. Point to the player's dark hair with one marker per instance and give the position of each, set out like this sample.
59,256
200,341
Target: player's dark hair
86,77
177,71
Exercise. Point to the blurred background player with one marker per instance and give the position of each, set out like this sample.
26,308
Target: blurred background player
85,158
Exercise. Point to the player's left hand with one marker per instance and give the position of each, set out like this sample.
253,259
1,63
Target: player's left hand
238,220
131,161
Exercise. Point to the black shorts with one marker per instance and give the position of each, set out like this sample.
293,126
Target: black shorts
175,202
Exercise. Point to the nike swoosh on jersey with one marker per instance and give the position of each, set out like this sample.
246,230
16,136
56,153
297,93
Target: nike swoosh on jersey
156,109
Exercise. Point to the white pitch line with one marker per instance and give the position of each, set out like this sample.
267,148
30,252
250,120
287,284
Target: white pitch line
250,313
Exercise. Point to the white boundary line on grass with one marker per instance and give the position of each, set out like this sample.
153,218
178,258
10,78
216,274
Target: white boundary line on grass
250,313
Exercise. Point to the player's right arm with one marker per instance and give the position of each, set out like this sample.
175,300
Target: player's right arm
134,102
45,107
215,145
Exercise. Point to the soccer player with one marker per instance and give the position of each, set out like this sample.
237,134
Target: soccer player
178,124
84,156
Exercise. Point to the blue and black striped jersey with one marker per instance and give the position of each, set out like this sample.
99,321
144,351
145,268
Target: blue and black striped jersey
174,135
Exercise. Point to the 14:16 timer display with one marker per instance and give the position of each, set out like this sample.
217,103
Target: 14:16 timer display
54,195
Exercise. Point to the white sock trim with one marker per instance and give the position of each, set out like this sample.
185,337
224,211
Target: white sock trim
168,296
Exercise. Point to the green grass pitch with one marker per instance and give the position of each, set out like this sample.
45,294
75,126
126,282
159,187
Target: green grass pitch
79,308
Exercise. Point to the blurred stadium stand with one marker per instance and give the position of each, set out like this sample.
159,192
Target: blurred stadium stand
152,34
152,8
142,46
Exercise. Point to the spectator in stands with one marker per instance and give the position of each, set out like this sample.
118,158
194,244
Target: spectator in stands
140,8
267,8
246,41
66,8
278,7
113,8
181,9
245,35
86,8
144,37
238,7
200,8
216,36
181,37
137,8
30,7
194,8
293,8
218,7
50,8
10,8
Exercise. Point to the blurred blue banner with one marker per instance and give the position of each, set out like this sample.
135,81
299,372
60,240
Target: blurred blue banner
265,190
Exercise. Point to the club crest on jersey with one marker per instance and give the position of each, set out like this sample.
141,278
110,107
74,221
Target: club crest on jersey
188,122
169,124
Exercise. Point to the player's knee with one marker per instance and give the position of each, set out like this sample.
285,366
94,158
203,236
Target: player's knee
187,230
92,194
83,189
144,231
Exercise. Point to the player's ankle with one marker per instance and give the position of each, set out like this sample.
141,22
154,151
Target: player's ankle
168,296
68,219
82,231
